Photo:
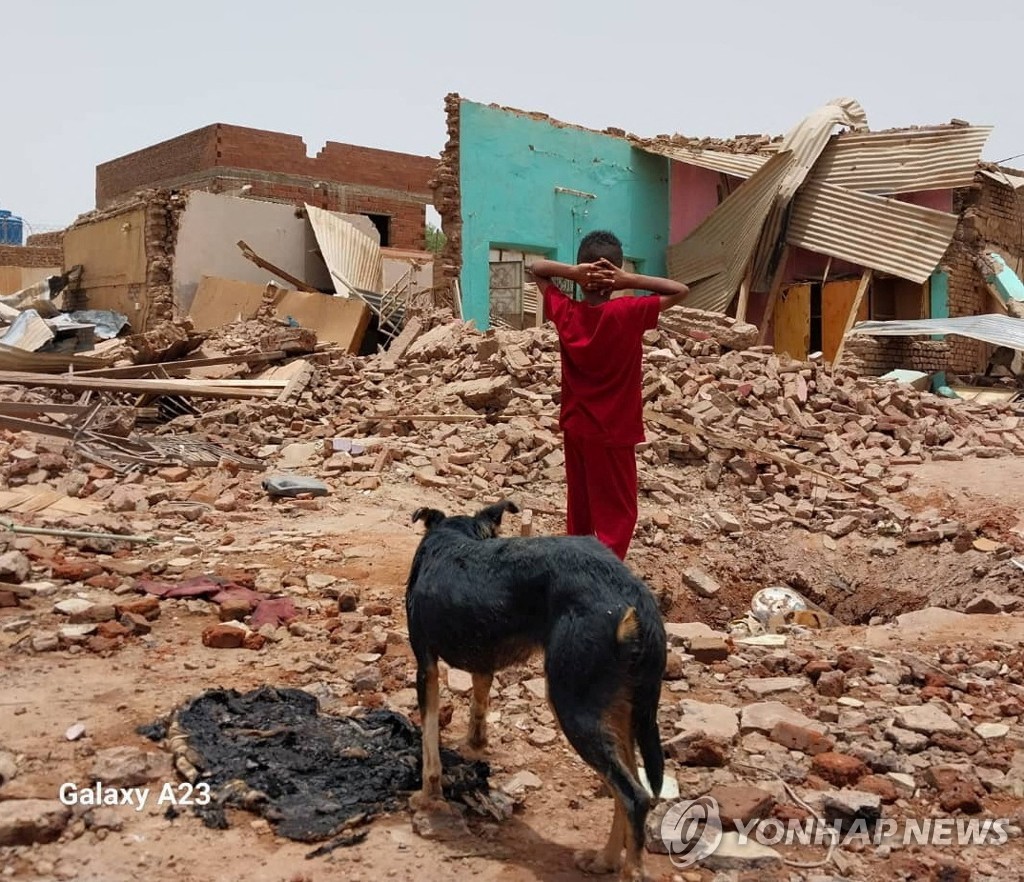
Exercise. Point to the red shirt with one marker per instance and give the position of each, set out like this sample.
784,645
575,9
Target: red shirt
602,351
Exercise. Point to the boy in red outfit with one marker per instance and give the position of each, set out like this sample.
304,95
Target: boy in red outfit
601,341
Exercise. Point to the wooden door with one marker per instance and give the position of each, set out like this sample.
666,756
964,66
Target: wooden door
836,300
793,321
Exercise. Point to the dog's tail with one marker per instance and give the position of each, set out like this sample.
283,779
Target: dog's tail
646,674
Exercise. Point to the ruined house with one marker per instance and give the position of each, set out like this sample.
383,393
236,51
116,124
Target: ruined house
389,188
804,234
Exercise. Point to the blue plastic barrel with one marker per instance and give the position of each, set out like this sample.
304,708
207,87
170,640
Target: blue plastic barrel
11,228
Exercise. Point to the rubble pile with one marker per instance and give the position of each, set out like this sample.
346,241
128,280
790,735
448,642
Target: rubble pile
475,413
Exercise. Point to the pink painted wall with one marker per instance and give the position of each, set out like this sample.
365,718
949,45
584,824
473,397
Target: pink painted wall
693,195
940,200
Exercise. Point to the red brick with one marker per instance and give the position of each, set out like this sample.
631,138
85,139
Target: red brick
839,768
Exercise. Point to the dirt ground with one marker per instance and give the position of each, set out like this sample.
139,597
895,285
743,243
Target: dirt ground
366,542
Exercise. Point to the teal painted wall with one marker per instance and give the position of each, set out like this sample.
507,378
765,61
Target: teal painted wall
510,166
939,298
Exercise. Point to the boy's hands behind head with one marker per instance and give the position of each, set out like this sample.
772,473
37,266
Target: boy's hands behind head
601,277
616,277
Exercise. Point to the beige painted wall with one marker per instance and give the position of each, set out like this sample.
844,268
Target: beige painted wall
16,278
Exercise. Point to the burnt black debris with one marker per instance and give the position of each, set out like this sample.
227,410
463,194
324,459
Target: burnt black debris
309,774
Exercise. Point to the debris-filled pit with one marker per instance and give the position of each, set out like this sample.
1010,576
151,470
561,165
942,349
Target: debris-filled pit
309,774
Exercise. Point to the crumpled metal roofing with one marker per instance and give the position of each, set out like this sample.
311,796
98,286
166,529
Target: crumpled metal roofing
28,332
713,259
884,234
999,330
353,258
739,165
937,158
806,141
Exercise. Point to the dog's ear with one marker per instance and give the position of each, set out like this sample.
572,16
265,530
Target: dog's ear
493,514
430,516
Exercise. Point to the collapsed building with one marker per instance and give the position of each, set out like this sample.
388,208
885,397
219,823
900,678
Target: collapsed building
389,188
805,235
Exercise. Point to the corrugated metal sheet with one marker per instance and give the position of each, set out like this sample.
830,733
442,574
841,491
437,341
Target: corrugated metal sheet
806,140
353,258
938,158
727,238
739,165
884,234
999,330
28,332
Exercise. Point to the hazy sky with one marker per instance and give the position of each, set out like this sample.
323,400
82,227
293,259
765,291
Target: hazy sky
90,80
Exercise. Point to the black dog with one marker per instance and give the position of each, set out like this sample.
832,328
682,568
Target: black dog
482,603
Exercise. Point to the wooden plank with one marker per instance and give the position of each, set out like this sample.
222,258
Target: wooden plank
741,306
865,282
207,389
773,294
184,365
836,301
31,408
793,321
251,255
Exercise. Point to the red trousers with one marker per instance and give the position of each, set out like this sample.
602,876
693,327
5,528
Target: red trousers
602,492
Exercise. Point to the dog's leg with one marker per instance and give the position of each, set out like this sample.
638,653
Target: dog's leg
606,744
634,814
427,695
477,737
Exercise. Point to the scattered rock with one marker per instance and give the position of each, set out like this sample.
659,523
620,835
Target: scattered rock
740,803
770,685
794,737
905,740
991,603
14,567
75,732
460,682
32,821
992,731
128,766
700,582
541,736
708,650
766,715
831,684
847,806
711,722
927,719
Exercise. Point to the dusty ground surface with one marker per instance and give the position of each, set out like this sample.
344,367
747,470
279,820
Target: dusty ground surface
365,542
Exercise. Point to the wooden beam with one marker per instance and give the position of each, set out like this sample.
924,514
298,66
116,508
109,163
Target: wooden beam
858,298
198,388
251,255
773,294
741,306
172,367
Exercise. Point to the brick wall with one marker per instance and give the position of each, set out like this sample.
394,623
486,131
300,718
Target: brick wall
48,240
183,155
991,217
223,158
448,198
874,356
30,256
